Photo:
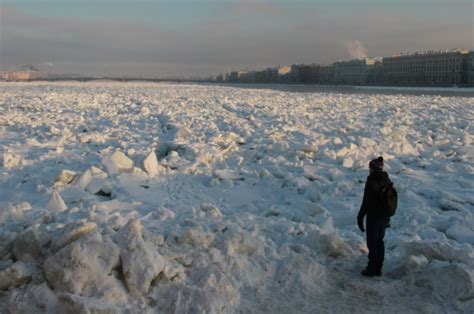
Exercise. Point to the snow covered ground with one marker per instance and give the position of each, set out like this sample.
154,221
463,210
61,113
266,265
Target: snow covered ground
139,197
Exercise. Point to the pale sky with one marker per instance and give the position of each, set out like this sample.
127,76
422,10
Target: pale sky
158,38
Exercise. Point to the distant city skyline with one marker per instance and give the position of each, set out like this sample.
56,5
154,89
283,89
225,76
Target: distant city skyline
206,37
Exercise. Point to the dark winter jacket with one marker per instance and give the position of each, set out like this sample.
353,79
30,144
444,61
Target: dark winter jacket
371,203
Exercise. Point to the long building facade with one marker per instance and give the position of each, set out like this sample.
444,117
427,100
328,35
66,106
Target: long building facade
354,72
326,74
446,68
470,68
425,68
305,73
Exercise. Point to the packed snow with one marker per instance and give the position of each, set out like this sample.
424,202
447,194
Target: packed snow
174,198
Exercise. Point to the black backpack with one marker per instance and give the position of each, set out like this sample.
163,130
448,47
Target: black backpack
389,199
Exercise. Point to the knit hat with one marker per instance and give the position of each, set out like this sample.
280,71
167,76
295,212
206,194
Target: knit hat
376,164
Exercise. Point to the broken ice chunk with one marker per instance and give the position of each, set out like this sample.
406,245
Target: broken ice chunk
150,164
211,210
119,162
99,186
11,160
56,203
9,212
65,177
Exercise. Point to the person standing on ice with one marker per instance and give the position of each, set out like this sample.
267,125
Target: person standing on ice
377,220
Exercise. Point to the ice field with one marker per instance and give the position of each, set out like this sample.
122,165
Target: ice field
174,198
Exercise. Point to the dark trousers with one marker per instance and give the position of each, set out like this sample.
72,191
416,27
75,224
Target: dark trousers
375,233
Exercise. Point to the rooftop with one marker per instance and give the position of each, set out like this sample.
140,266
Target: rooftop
431,52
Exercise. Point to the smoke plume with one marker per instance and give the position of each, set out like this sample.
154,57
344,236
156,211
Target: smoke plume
356,49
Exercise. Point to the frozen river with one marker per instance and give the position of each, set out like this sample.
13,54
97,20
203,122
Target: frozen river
368,90
141,197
